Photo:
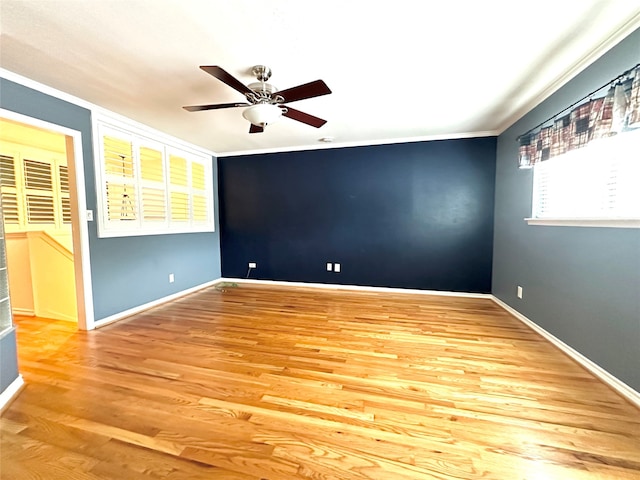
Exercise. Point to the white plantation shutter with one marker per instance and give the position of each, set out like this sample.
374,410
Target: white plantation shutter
38,175
199,192
39,192
65,200
66,209
599,181
64,178
40,209
7,171
9,193
150,187
34,192
119,179
179,189
152,179
10,208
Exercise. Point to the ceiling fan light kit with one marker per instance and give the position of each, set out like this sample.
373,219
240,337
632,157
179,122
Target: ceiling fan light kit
262,114
266,103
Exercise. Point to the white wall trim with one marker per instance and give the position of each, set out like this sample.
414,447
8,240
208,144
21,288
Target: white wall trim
24,312
361,288
80,229
11,392
362,143
619,386
132,311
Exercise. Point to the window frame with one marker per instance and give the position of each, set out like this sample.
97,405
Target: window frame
141,138
582,221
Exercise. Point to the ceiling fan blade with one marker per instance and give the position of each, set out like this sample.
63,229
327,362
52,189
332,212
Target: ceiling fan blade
227,78
214,106
255,129
304,117
301,92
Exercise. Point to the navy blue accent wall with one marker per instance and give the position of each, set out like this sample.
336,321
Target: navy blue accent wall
412,215
580,284
129,271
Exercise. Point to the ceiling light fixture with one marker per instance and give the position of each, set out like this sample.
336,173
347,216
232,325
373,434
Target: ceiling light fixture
262,114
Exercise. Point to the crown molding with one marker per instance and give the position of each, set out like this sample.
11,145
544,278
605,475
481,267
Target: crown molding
362,143
620,34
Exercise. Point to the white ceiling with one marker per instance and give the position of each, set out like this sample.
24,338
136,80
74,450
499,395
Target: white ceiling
399,70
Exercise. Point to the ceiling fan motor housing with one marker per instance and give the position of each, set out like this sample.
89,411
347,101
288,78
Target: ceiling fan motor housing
262,89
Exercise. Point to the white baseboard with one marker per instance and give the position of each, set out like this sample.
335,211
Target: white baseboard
11,392
25,312
56,315
132,311
618,385
360,288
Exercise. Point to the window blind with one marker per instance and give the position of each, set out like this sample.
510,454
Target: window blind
599,181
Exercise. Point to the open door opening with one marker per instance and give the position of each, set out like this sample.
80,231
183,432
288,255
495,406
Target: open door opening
37,191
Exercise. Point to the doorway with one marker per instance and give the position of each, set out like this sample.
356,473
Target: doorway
45,240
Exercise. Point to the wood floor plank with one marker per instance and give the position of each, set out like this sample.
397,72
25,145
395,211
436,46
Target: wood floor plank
277,383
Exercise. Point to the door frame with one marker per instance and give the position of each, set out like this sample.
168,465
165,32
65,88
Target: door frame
79,227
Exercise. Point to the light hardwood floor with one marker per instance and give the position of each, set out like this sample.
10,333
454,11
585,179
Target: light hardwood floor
273,383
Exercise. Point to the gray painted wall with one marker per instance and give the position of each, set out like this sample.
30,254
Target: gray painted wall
580,284
8,359
129,271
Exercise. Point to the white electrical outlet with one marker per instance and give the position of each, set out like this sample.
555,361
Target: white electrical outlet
329,267
171,278
89,215
519,292
253,264
336,267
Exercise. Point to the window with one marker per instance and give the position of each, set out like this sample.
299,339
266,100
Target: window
34,193
147,186
586,159
598,184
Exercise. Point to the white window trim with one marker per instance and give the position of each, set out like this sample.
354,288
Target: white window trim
602,222
142,135
586,222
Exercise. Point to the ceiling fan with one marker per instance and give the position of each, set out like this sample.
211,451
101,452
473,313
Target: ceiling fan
266,104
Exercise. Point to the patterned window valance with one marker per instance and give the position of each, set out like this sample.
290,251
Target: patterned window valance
616,110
